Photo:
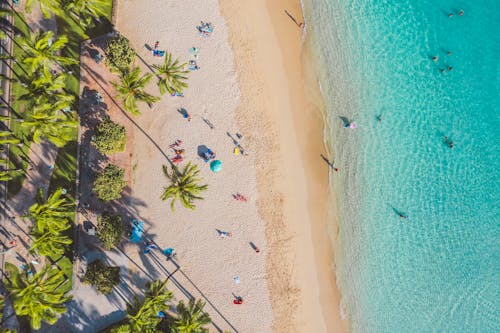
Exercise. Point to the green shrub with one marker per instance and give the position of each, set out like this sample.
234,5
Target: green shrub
109,137
109,183
119,54
109,230
101,276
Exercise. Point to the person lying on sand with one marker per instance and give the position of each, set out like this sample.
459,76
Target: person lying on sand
177,159
239,197
177,143
224,234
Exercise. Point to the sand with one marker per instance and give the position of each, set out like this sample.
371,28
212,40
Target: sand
210,263
275,84
257,91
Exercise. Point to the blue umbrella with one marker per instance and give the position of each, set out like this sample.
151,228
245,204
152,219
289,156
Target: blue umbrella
216,166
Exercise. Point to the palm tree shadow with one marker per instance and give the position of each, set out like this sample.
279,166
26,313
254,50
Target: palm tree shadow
126,114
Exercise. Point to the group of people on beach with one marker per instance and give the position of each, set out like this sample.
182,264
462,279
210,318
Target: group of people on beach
178,150
205,29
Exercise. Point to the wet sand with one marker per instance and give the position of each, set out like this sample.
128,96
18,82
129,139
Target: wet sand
280,105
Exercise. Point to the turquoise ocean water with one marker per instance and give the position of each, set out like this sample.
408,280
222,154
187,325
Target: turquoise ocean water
439,269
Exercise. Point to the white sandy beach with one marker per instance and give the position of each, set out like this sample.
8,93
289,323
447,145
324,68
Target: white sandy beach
210,262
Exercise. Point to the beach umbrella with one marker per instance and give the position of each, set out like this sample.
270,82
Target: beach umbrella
216,166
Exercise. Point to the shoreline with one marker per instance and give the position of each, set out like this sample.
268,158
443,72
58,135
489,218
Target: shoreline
302,252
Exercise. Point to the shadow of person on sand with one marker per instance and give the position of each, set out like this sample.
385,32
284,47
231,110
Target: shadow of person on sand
345,121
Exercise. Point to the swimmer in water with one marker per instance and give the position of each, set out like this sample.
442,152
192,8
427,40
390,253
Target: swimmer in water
379,118
461,12
448,142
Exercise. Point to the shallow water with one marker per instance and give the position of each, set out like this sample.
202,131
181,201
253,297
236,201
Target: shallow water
437,270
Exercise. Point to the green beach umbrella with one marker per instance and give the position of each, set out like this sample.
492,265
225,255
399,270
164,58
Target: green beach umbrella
216,166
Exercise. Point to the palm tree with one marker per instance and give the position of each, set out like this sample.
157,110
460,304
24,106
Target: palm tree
51,215
183,186
4,12
191,318
2,305
47,7
171,75
49,244
7,137
84,11
42,51
53,126
131,90
6,175
41,296
43,85
143,315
